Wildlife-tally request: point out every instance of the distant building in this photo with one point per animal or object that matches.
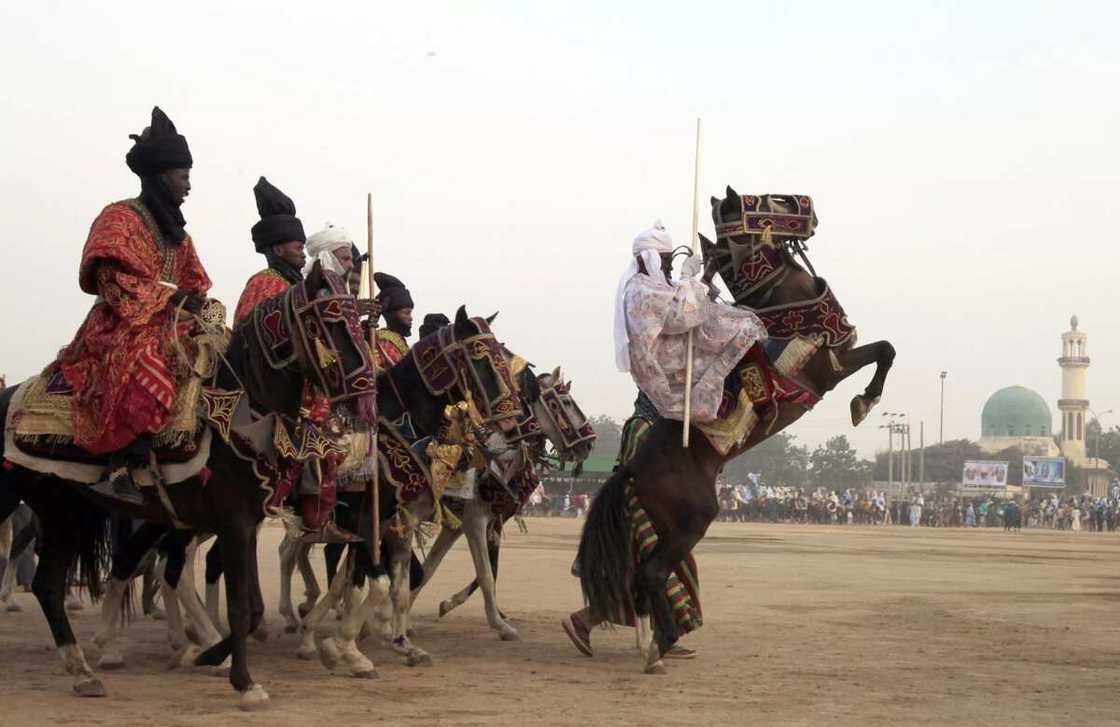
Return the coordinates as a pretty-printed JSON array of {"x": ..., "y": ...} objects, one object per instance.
[{"x": 1017, "y": 417}]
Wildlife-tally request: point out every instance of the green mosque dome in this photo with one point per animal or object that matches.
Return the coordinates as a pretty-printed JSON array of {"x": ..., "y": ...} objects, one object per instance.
[{"x": 1016, "y": 412}]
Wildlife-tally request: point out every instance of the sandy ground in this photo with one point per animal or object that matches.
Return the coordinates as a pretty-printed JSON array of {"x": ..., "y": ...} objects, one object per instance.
[{"x": 804, "y": 625}]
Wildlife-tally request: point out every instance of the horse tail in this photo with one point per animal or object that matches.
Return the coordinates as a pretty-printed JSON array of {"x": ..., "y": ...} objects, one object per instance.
[
  {"x": 93, "y": 557},
  {"x": 605, "y": 560}
]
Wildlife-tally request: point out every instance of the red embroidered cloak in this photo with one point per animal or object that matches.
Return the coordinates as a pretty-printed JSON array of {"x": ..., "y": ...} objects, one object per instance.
[
  {"x": 262, "y": 286},
  {"x": 118, "y": 362}
]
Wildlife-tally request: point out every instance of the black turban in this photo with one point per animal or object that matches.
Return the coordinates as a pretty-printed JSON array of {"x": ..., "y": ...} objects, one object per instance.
[
  {"x": 278, "y": 217},
  {"x": 158, "y": 148},
  {"x": 432, "y": 323},
  {"x": 392, "y": 295}
]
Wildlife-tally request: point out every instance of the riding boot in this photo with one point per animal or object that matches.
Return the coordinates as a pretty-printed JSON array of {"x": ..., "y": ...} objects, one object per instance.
[
  {"x": 119, "y": 484},
  {"x": 317, "y": 511}
]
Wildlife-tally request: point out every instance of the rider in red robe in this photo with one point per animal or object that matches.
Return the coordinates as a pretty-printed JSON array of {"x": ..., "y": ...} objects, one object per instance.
[
  {"x": 396, "y": 307},
  {"x": 280, "y": 238},
  {"x": 141, "y": 264}
]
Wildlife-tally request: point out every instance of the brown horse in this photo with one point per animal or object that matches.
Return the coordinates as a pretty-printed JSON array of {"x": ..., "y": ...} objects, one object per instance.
[{"x": 754, "y": 254}]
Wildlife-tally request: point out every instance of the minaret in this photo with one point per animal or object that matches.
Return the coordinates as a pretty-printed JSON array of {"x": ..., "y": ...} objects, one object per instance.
[{"x": 1074, "y": 403}]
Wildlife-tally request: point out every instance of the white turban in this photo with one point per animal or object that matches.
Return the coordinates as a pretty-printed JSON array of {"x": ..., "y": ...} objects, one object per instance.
[
  {"x": 321, "y": 247},
  {"x": 649, "y": 246}
]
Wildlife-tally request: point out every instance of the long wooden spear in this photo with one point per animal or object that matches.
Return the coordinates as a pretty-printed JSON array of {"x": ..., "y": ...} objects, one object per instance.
[
  {"x": 694, "y": 242},
  {"x": 375, "y": 480}
]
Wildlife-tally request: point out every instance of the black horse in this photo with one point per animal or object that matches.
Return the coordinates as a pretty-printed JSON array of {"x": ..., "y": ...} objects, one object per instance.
[
  {"x": 676, "y": 487},
  {"x": 317, "y": 337}
]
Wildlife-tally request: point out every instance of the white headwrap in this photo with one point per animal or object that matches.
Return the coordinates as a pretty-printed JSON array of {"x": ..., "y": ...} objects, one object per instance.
[
  {"x": 648, "y": 246},
  {"x": 321, "y": 247}
]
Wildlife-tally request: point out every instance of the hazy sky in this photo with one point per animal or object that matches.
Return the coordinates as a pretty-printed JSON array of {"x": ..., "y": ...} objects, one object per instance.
[{"x": 962, "y": 158}]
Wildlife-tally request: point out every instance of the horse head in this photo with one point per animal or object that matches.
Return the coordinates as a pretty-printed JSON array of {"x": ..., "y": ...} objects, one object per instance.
[
  {"x": 561, "y": 419},
  {"x": 308, "y": 333},
  {"x": 755, "y": 238},
  {"x": 462, "y": 361}
]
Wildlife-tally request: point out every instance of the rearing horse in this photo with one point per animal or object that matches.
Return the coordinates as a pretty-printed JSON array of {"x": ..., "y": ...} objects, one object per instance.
[{"x": 757, "y": 238}]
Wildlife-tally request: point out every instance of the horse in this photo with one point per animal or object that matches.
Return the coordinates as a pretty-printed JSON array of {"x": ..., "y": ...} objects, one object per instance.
[
  {"x": 458, "y": 364},
  {"x": 675, "y": 486},
  {"x": 560, "y": 422},
  {"x": 312, "y": 335}
]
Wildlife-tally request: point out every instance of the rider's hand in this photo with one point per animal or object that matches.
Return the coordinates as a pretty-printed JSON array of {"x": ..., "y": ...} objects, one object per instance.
[
  {"x": 368, "y": 307},
  {"x": 189, "y": 301}
]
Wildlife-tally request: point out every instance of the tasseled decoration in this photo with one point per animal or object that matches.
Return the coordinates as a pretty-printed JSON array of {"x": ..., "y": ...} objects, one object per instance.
[
  {"x": 327, "y": 358},
  {"x": 204, "y": 476}
]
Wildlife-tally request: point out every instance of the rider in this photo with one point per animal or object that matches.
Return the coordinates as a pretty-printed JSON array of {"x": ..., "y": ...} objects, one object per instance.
[
  {"x": 396, "y": 308},
  {"x": 141, "y": 264},
  {"x": 432, "y": 323},
  {"x": 279, "y": 237},
  {"x": 653, "y": 318}
]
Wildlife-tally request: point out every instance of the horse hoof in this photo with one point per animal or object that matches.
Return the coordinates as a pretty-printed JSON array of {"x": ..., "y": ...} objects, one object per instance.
[
  {"x": 291, "y": 628},
  {"x": 444, "y": 608},
  {"x": 14, "y": 607},
  {"x": 222, "y": 672},
  {"x": 410, "y": 632},
  {"x": 110, "y": 661},
  {"x": 261, "y": 634},
  {"x": 365, "y": 674},
  {"x": 655, "y": 668},
  {"x": 254, "y": 698},
  {"x": 307, "y": 653},
  {"x": 859, "y": 410},
  {"x": 421, "y": 659},
  {"x": 509, "y": 635},
  {"x": 91, "y": 687},
  {"x": 304, "y": 609},
  {"x": 156, "y": 614}
]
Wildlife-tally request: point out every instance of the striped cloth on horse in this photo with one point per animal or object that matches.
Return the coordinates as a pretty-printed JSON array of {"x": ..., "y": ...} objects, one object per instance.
[{"x": 682, "y": 587}]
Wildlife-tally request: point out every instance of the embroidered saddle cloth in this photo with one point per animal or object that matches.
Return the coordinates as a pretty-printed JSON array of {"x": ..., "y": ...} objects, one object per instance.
[{"x": 764, "y": 380}]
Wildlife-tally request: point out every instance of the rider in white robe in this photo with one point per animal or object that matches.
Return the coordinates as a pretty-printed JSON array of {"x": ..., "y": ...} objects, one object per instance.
[{"x": 653, "y": 317}]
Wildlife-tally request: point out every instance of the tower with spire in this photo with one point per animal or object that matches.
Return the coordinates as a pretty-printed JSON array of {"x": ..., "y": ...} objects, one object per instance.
[{"x": 1074, "y": 403}]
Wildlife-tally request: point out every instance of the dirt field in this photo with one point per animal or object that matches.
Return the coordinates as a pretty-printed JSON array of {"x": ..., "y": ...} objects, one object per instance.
[{"x": 804, "y": 625}]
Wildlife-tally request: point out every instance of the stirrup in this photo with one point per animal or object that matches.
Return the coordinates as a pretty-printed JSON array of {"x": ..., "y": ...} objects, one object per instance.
[
  {"x": 119, "y": 485},
  {"x": 330, "y": 533}
]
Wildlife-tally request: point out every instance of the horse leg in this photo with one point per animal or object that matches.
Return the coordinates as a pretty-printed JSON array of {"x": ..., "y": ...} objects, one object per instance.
[
  {"x": 476, "y": 519},
  {"x": 314, "y": 619},
  {"x": 307, "y": 573},
  {"x": 399, "y": 591},
  {"x": 343, "y": 648},
  {"x": 651, "y": 578},
  {"x": 181, "y": 575},
  {"x": 440, "y": 548},
  {"x": 238, "y": 543},
  {"x": 288, "y": 556},
  {"x": 845, "y": 363},
  {"x": 49, "y": 587},
  {"x": 214, "y": 586},
  {"x": 176, "y": 634}
]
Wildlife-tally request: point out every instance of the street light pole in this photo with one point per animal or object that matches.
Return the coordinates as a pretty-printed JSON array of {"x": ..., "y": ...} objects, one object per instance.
[{"x": 941, "y": 429}]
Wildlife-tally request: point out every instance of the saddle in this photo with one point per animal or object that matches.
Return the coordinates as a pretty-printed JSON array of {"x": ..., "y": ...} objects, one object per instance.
[{"x": 39, "y": 432}]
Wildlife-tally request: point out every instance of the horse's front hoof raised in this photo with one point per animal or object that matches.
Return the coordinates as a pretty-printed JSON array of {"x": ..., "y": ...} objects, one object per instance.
[{"x": 254, "y": 698}]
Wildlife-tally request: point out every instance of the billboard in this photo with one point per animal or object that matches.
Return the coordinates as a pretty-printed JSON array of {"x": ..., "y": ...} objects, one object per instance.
[
  {"x": 984, "y": 474},
  {"x": 1044, "y": 471}
]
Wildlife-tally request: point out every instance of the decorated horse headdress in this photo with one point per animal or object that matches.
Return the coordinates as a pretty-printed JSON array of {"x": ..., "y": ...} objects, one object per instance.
[
  {"x": 316, "y": 323},
  {"x": 466, "y": 357},
  {"x": 754, "y": 235}
]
